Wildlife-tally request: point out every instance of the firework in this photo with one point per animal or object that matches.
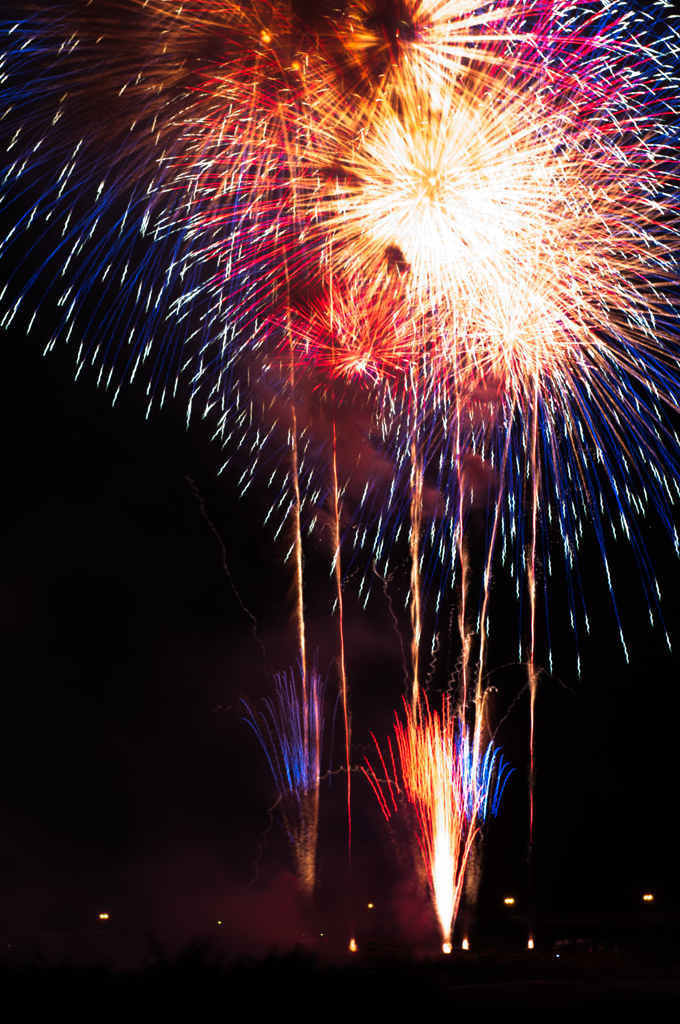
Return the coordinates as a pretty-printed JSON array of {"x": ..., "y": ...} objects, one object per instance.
[
  {"x": 453, "y": 786},
  {"x": 438, "y": 39},
  {"x": 526, "y": 224},
  {"x": 454, "y": 225},
  {"x": 114, "y": 114},
  {"x": 483, "y": 236},
  {"x": 290, "y": 730}
]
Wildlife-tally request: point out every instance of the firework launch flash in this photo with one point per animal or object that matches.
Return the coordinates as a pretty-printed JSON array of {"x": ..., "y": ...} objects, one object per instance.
[{"x": 453, "y": 787}]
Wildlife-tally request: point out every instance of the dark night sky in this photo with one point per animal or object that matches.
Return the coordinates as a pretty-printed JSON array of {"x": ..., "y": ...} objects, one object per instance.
[
  {"x": 123, "y": 787},
  {"x": 127, "y": 787}
]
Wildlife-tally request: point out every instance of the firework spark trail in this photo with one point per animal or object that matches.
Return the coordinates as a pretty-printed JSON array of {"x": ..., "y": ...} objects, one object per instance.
[
  {"x": 297, "y": 543},
  {"x": 453, "y": 788},
  {"x": 462, "y": 560},
  {"x": 337, "y": 569},
  {"x": 416, "y": 584},
  {"x": 290, "y": 730},
  {"x": 486, "y": 579},
  {"x": 531, "y": 573}
]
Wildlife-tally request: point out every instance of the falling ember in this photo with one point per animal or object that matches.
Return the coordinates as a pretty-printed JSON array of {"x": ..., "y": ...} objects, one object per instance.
[{"x": 453, "y": 785}]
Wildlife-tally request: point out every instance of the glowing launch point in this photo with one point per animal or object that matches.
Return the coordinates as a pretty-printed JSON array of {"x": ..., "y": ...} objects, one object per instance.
[
  {"x": 509, "y": 900},
  {"x": 648, "y": 898},
  {"x": 446, "y": 947},
  {"x": 105, "y": 917},
  {"x": 530, "y": 944},
  {"x": 352, "y": 946},
  {"x": 453, "y": 784},
  {"x": 466, "y": 944}
]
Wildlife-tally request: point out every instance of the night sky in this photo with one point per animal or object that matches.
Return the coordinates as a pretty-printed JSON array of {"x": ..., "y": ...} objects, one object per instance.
[{"x": 131, "y": 783}]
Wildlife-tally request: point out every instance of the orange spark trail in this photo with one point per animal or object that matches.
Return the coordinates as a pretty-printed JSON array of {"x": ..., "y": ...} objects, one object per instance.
[
  {"x": 533, "y": 679},
  {"x": 343, "y": 674},
  {"x": 416, "y": 613},
  {"x": 337, "y": 565},
  {"x": 297, "y": 541},
  {"x": 462, "y": 555}
]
